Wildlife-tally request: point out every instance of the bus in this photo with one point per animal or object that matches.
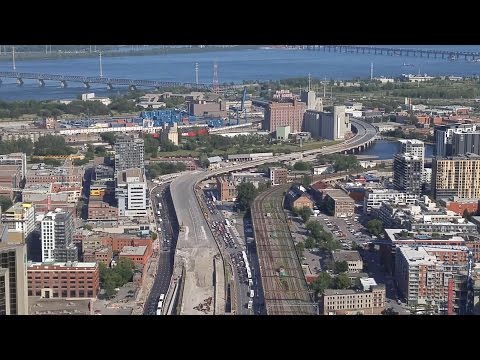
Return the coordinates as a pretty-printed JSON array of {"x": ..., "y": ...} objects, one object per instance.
[{"x": 160, "y": 304}]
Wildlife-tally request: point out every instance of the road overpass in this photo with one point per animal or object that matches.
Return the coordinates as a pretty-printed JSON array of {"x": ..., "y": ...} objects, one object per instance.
[{"x": 196, "y": 248}]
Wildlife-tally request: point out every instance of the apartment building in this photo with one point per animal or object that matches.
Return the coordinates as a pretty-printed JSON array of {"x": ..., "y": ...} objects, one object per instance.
[{"x": 354, "y": 302}]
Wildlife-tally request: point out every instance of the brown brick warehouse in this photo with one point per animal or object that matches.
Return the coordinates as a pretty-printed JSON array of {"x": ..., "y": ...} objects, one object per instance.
[{"x": 284, "y": 285}]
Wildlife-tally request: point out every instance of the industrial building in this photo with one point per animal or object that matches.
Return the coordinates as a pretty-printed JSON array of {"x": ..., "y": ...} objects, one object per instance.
[
  {"x": 327, "y": 125},
  {"x": 203, "y": 108},
  {"x": 354, "y": 302},
  {"x": 338, "y": 202},
  {"x": 284, "y": 114},
  {"x": 169, "y": 133},
  {"x": 63, "y": 279}
]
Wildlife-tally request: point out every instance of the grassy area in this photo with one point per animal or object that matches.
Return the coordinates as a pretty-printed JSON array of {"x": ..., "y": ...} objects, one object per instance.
[{"x": 235, "y": 150}]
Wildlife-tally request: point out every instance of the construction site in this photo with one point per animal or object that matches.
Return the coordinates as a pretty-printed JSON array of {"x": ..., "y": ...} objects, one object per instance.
[{"x": 285, "y": 288}]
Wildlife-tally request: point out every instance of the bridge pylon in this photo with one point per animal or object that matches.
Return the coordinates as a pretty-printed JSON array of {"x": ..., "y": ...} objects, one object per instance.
[
  {"x": 19, "y": 81},
  {"x": 63, "y": 83},
  {"x": 86, "y": 84},
  {"x": 41, "y": 83}
]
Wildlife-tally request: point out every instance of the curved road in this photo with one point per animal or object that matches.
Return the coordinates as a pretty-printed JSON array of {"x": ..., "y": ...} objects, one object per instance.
[{"x": 196, "y": 246}]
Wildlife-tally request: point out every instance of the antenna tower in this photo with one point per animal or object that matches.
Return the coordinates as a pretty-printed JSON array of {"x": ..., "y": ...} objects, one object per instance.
[{"x": 216, "y": 87}]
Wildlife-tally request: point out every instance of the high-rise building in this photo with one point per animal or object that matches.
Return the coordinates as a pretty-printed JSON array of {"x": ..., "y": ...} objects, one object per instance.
[
  {"x": 456, "y": 176},
  {"x": 57, "y": 228},
  {"x": 327, "y": 125},
  {"x": 129, "y": 152},
  {"x": 408, "y": 167},
  {"x": 407, "y": 173},
  {"x": 131, "y": 193},
  {"x": 13, "y": 279},
  {"x": 284, "y": 114},
  {"x": 457, "y": 139},
  {"x": 20, "y": 221}
]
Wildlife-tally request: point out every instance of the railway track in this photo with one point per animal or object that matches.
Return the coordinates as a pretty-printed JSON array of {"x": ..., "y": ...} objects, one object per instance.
[{"x": 285, "y": 288}]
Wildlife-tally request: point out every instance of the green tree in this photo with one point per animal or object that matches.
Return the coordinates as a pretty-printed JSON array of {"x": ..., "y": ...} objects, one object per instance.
[
  {"x": 108, "y": 137},
  {"x": 88, "y": 227},
  {"x": 5, "y": 203},
  {"x": 322, "y": 282},
  {"x": 466, "y": 215},
  {"x": 330, "y": 245},
  {"x": 305, "y": 213},
  {"x": 246, "y": 195},
  {"x": 341, "y": 266},
  {"x": 52, "y": 145},
  {"x": 315, "y": 229},
  {"x": 154, "y": 236},
  {"x": 342, "y": 281},
  {"x": 306, "y": 181},
  {"x": 302, "y": 166},
  {"x": 300, "y": 247},
  {"x": 310, "y": 243},
  {"x": 204, "y": 162},
  {"x": 375, "y": 226}
]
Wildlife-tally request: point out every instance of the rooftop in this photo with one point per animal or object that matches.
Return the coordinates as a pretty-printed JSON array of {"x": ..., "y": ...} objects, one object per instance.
[
  {"x": 133, "y": 250},
  {"x": 58, "y": 306},
  {"x": 346, "y": 255},
  {"x": 337, "y": 194},
  {"x": 417, "y": 256},
  {"x": 69, "y": 264}
]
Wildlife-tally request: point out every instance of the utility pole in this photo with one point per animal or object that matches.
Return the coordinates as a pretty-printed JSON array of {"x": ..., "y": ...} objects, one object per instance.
[
  {"x": 13, "y": 58},
  {"x": 196, "y": 73},
  {"x": 101, "y": 70}
]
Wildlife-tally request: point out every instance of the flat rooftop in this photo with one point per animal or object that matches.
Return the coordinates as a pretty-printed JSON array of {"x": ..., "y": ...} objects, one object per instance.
[
  {"x": 133, "y": 250},
  {"x": 58, "y": 306},
  {"x": 337, "y": 194},
  {"x": 346, "y": 255},
  {"x": 417, "y": 256},
  {"x": 63, "y": 264}
]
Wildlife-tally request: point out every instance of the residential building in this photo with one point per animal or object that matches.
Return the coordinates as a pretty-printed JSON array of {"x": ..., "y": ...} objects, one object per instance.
[
  {"x": 63, "y": 279},
  {"x": 327, "y": 125},
  {"x": 429, "y": 283},
  {"x": 100, "y": 255},
  {"x": 408, "y": 167},
  {"x": 227, "y": 190},
  {"x": 20, "y": 221},
  {"x": 339, "y": 203},
  {"x": 138, "y": 254},
  {"x": 45, "y": 174},
  {"x": 457, "y": 139},
  {"x": 374, "y": 198},
  {"x": 284, "y": 114},
  {"x": 131, "y": 193},
  {"x": 456, "y": 176},
  {"x": 129, "y": 153},
  {"x": 4, "y": 292},
  {"x": 11, "y": 178},
  {"x": 57, "y": 228},
  {"x": 278, "y": 176},
  {"x": 351, "y": 257},
  {"x": 352, "y": 302},
  {"x": 13, "y": 282}
]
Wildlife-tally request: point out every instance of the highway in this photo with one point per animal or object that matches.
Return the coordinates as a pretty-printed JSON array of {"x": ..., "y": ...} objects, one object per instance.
[
  {"x": 165, "y": 260},
  {"x": 196, "y": 245}
]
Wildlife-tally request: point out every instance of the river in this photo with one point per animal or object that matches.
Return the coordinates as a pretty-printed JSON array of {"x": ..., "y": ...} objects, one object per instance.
[
  {"x": 386, "y": 149},
  {"x": 233, "y": 66}
]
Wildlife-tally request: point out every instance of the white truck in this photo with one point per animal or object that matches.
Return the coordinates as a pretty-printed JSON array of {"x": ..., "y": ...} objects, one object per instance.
[
  {"x": 252, "y": 293},
  {"x": 250, "y": 304}
]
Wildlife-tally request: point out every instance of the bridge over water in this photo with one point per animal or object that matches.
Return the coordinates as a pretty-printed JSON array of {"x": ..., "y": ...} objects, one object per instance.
[
  {"x": 108, "y": 81},
  {"x": 413, "y": 52}
]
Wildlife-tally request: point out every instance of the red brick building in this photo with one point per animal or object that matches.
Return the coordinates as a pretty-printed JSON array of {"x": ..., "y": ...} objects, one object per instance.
[
  {"x": 226, "y": 189},
  {"x": 102, "y": 255},
  {"x": 284, "y": 114},
  {"x": 118, "y": 242},
  {"x": 100, "y": 210},
  {"x": 459, "y": 205},
  {"x": 138, "y": 254},
  {"x": 53, "y": 280}
]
